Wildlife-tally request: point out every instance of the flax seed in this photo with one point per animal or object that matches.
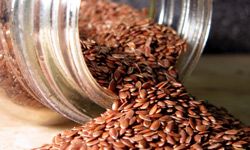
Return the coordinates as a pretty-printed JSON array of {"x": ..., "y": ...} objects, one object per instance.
[
  {"x": 124, "y": 123},
  {"x": 155, "y": 125},
  {"x": 153, "y": 110},
  {"x": 113, "y": 133}
]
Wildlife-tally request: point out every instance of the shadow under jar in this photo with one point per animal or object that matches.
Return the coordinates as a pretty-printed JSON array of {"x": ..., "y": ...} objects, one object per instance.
[{"x": 41, "y": 58}]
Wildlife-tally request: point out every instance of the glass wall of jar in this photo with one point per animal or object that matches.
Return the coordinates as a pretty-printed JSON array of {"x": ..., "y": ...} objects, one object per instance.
[{"x": 41, "y": 58}]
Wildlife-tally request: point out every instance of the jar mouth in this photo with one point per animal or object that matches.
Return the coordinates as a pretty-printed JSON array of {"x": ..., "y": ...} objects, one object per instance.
[
  {"x": 192, "y": 24},
  {"x": 192, "y": 21},
  {"x": 45, "y": 40}
]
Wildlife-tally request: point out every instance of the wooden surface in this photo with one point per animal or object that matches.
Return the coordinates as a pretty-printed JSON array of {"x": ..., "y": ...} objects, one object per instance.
[{"x": 222, "y": 80}]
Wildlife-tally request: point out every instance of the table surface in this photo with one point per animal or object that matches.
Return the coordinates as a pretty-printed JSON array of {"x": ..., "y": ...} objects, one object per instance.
[{"x": 221, "y": 79}]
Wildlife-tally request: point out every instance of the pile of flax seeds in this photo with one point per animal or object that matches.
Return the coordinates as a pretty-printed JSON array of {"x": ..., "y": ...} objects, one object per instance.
[{"x": 135, "y": 58}]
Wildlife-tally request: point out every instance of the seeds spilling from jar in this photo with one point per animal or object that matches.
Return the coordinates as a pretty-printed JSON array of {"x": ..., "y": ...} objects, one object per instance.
[{"x": 135, "y": 58}]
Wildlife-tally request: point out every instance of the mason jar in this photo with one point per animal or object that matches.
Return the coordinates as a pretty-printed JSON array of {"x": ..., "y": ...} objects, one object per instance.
[{"x": 43, "y": 75}]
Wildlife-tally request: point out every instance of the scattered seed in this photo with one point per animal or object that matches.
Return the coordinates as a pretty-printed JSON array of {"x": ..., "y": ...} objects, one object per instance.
[
  {"x": 155, "y": 125},
  {"x": 113, "y": 133},
  {"x": 231, "y": 132},
  {"x": 124, "y": 123},
  {"x": 201, "y": 128}
]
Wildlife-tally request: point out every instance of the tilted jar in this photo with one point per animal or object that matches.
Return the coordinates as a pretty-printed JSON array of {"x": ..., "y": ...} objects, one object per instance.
[{"x": 41, "y": 58}]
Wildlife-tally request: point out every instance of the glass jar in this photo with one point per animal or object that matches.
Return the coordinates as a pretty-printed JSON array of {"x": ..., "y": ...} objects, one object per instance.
[{"x": 41, "y": 58}]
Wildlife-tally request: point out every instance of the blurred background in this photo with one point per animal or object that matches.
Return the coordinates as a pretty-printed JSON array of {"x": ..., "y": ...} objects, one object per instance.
[{"x": 230, "y": 27}]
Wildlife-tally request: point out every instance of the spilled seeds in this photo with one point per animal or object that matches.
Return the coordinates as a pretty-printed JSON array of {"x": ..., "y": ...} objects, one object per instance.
[{"x": 135, "y": 58}]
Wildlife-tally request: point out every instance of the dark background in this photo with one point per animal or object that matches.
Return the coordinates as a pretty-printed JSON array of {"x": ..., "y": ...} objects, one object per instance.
[{"x": 230, "y": 30}]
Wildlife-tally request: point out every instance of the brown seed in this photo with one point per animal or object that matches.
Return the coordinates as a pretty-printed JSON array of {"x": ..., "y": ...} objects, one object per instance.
[
  {"x": 191, "y": 112},
  {"x": 123, "y": 95},
  {"x": 170, "y": 140},
  {"x": 168, "y": 148},
  {"x": 169, "y": 127},
  {"x": 197, "y": 138},
  {"x": 97, "y": 133},
  {"x": 153, "y": 110},
  {"x": 142, "y": 144},
  {"x": 138, "y": 84},
  {"x": 115, "y": 105},
  {"x": 146, "y": 124},
  {"x": 170, "y": 103},
  {"x": 161, "y": 95},
  {"x": 162, "y": 84},
  {"x": 165, "y": 118},
  {"x": 212, "y": 119},
  {"x": 145, "y": 105},
  {"x": 132, "y": 120},
  {"x": 188, "y": 140},
  {"x": 155, "y": 125},
  {"x": 142, "y": 112},
  {"x": 203, "y": 109},
  {"x": 138, "y": 105},
  {"x": 127, "y": 142},
  {"x": 146, "y": 85},
  {"x": 103, "y": 143},
  {"x": 151, "y": 133},
  {"x": 110, "y": 124},
  {"x": 183, "y": 136},
  {"x": 239, "y": 144},
  {"x": 219, "y": 135},
  {"x": 179, "y": 114},
  {"x": 143, "y": 93},
  {"x": 113, "y": 133},
  {"x": 162, "y": 134},
  {"x": 94, "y": 142},
  {"x": 180, "y": 147},
  {"x": 129, "y": 114},
  {"x": 214, "y": 146},
  {"x": 231, "y": 132},
  {"x": 176, "y": 84},
  {"x": 189, "y": 131},
  {"x": 161, "y": 143},
  {"x": 112, "y": 85},
  {"x": 161, "y": 104},
  {"x": 100, "y": 120},
  {"x": 137, "y": 138},
  {"x": 144, "y": 117},
  {"x": 124, "y": 123},
  {"x": 122, "y": 131},
  {"x": 228, "y": 137},
  {"x": 119, "y": 144},
  {"x": 128, "y": 79},
  {"x": 180, "y": 108},
  {"x": 105, "y": 135},
  {"x": 196, "y": 146},
  {"x": 204, "y": 122},
  {"x": 201, "y": 128},
  {"x": 141, "y": 100},
  {"x": 127, "y": 107}
]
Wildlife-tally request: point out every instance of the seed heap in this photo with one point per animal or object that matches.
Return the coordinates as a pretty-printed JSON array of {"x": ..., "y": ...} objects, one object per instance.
[{"x": 135, "y": 59}]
